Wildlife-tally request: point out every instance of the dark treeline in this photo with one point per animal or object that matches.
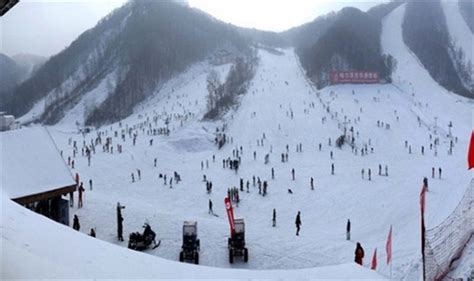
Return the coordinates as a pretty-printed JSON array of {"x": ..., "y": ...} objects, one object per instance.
[
  {"x": 10, "y": 74},
  {"x": 222, "y": 96},
  {"x": 62, "y": 66},
  {"x": 160, "y": 40},
  {"x": 467, "y": 11},
  {"x": 425, "y": 33},
  {"x": 352, "y": 42},
  {"x": 380, "y": 11}
]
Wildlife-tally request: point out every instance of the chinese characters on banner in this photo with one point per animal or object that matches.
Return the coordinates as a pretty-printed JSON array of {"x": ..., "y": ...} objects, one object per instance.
[{"x": 364, "y": 77}]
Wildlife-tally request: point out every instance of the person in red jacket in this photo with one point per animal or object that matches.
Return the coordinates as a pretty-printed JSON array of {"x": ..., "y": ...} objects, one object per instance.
[{"x": 359, "y": 254}]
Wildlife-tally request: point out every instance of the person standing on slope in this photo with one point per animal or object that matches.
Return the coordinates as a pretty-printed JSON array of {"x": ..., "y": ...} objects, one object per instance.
[
  {"x": 210, "y": 208},
  {"x": 274, "y": 219},
  {"x": 119, "y": 221},
  {"x": 81, "y": 191},
  {"x": 359, "y": 254},
  {"x": 75, "y": 224},
  {"x": 348, "y": 230},
  {"x": 298, "y": 223}
]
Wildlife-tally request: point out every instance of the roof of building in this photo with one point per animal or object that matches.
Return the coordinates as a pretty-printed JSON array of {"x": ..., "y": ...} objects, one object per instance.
[{"x": 31, "y": 163}]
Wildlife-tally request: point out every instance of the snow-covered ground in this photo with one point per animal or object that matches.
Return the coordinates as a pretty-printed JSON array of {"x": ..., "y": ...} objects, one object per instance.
[
  {"x": 34, "y": 247},
  {"x": 281, "y": 108},
  {"x": 278, "y": 89}
]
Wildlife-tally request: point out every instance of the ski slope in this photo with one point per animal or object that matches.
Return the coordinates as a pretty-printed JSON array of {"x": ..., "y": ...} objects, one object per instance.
[
  {"x": 280, "y": 109},
  {"x": 34, "y": 247},
  {"x": 279, "y": 88}
]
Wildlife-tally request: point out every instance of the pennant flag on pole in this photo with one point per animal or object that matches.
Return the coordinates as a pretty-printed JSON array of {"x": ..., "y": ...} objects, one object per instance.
[
  {"x": 388, "y": 246},
  {"x": 374, "y": 260},
  {"x": 470, "y": 155}
]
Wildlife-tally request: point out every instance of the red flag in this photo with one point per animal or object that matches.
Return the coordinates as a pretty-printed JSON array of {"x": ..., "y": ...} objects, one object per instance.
[
  {"x": 388, "y": 246},
  {"x": 422, "y": 198},
  {"x": 230, "y": 214},
  {"x": 374, "y": 260},
  {"x": 470, "y": 156}
]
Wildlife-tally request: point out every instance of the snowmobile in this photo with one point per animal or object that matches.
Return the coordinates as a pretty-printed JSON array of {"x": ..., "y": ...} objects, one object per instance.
[
  {"x": 236, "y": 243},
  {"x": 139, "y": 241},
  {"x": 191, "y": 244}
]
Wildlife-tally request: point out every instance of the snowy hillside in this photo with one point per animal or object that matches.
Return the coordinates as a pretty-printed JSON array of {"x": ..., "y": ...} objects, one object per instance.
[
  {"x": 279, "y": 91},
  {"x": 402, "y": 132}
]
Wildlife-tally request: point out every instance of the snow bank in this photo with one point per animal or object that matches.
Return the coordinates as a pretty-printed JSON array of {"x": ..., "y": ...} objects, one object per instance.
[{"x": 36, "y": 247}]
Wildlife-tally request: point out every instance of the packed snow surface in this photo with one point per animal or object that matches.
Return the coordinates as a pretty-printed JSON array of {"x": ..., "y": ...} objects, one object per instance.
[
  {"x": 280, "y": 110},
  {"x": 278, "y": 91},
  {"x": 34, "y": 247}
]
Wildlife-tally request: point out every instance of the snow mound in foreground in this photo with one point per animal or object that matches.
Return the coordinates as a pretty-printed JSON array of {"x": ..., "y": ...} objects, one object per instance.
[{"x": 35, "y": 247}]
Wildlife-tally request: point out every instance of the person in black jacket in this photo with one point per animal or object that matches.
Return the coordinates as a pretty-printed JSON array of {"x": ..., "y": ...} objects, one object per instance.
[
  {"x": 210, "y": 208},
  {"x": 119, "y": 221},
  {"x": 359, "y": 254},
  {"x": 75, "y": 223},
  {"x": 348, "y": 230},
  {"x": 298, "y": 223},
  {"x": 274, "y": 219}
]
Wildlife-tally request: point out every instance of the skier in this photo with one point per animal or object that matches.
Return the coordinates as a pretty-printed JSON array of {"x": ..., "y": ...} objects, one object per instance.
[
  {"x": 362, "y": 173},
  {"x": 332, "y": 169},
  {"x": 75, "y": 224},
  {"x": 432, "y": 172},
  {"x": 119, "y": 221},
  {"x": 422, "y": 150},
  {"x": 139, "y": 174},
  {"x": 359, "y": 254},
  {"x": 348, "y": 230},
  {"x": 273, "y": 174},
  {"x": 92, "y": 233},
  {"x": 439, "y": 170},
  {"x": 386, "y": 170},
  {"x": 133, "y": 177},
  {"x": 293, "y": 173},
  {"x": 370, "y": 173},
  {"x": 312, "y": 183},
  {"x": 90, "y": 184},
  {"x": 210, "y": 208},
  {"x": 81, "y": 190},
  {"x": 274, "y": 218},
  {"x": 154, "y": 162},
  {"x": 298, "y": 223},
  {"x": 380, "y": 170},
  {"x": 425, "y": 183}
]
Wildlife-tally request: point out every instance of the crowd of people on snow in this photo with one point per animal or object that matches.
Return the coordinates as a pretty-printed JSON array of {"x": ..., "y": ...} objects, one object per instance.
[{"x": 152, "y": 127}]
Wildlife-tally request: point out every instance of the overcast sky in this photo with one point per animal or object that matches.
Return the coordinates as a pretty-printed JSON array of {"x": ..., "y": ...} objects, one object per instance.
[{"x": 47, "y": 27}]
